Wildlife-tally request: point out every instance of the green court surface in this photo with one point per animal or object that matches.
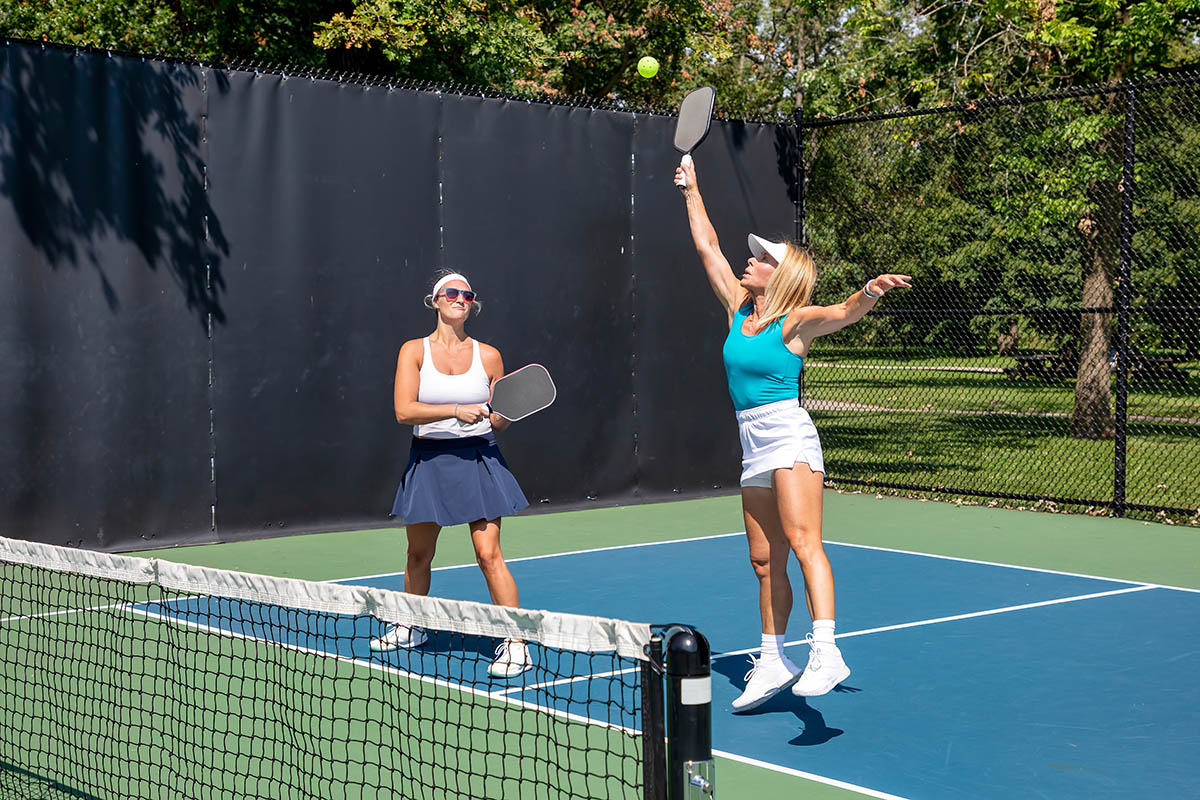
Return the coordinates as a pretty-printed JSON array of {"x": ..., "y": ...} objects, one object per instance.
[{"x": 1095, "y": 546}]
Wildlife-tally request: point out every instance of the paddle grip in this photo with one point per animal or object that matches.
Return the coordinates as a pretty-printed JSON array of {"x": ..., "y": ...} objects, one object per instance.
[{"x": 682, "y": 180}]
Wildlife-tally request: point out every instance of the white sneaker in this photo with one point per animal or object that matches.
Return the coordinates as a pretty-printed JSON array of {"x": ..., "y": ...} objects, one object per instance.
[
  {"x": 512, "y": 658},
  {"x": 399, "y": 636},
  {"x": 765, "y": 680},
  {"x": 825, "y": 670}
]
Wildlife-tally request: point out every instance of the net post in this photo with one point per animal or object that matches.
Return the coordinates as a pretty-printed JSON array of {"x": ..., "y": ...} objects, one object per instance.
[
  {"x": 690, "y": 769},
  {"x": 654, "y": 731}
]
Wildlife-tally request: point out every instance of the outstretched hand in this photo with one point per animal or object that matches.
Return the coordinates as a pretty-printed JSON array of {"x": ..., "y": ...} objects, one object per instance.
[{"x": 885, "y": 283}]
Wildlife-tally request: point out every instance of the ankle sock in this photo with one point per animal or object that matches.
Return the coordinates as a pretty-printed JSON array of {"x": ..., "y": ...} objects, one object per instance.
[{"x": 772, "y": 647}]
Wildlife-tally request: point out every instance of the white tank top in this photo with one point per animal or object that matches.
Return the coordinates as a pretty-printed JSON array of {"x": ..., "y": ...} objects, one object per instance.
[{"x": 438, "y": 388}]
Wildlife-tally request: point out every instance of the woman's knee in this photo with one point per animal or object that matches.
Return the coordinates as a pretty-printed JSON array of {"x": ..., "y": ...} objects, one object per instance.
[
  {"x": 806, "y": 544},
  {"x": 489, "y": 556},
  {"x": 769, "y": 560},
  {"x": 420, "y": 557},
  {"x": 761, "y": 564}
]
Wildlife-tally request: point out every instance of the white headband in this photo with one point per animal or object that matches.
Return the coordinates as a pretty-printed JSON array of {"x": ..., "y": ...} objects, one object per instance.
[{"x": 453, "y": 276}]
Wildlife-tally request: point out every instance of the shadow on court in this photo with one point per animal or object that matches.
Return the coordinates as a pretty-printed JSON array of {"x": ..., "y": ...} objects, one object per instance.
[
  {"x": 814, "y": 730},
  {"x": 17, "y": 782}
]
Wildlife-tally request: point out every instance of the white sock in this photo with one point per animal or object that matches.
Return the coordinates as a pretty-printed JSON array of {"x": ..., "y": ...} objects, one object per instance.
[
  {"x": 772, "y": 647},
  {"x": 823, "y": 631}
]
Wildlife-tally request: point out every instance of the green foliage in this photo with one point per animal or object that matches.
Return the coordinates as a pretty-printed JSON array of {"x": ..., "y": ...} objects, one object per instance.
[
  {"x": 566, "y": 47},
  {"x": 761, "y": 55},
  {"x": 139, "y": 26},
  {"x": 464, "y": 41},
  {"x": 276, "y": 31}
]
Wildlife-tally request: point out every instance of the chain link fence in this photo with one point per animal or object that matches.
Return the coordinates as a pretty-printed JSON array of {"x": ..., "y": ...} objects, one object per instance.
[{"x": 1048, "y": 354}]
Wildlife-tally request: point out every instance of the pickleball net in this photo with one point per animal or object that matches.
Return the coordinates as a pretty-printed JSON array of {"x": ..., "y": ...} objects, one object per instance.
[{"x": 124, "y": 677}]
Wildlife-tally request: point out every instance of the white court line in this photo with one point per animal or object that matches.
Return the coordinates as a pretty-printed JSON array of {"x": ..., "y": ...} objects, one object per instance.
[
  {"x": 551, "y": 555},
  {"x": 971, "y": 615},
  {"x": 827, "y": 541},
  {"x": 1137, "y": 587},
  {"x": 562, "y": 681},
  {"x": 808, "y": 776},
  {"x": 1011, "y": 566},
  {"x": 46, "y": 614},
  {"x": 899, "y": 626}
]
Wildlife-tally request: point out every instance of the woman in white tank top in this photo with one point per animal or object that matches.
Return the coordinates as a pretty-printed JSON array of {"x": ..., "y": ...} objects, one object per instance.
[{"x": 455, "y": 474}]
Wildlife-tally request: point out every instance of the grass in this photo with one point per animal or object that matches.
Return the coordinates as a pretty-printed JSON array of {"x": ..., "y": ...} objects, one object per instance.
[
  {"x": 911, "y": 384},
  {"x": 984, "y": 431}
]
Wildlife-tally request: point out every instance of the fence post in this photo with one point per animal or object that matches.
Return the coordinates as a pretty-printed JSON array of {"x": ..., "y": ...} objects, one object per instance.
[
  {"x": 1124, "y": 294},
  {"x": 801, "y": 209},
  {"x": 801, "y": 175}
]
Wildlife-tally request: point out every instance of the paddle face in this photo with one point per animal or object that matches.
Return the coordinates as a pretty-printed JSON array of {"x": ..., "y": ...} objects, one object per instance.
[
  {"x": 695, "y": 115},
  {"x": 523, "y": 392}
]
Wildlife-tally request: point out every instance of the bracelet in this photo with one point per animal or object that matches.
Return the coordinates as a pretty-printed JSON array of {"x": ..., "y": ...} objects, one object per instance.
[
  {"x": 456, "y": 410},
  {"x": 867, "y": 291}
]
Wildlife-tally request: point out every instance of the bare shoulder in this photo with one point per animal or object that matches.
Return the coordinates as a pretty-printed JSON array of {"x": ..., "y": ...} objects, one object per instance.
[
  {"x": 492, "y": 361},
  {"x": 800, "y": 318},
  {"x": 412, "y": 351}
]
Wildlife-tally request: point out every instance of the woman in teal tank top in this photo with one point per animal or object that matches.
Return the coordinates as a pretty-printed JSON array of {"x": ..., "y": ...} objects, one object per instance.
[{"x": 771, "y": 327}]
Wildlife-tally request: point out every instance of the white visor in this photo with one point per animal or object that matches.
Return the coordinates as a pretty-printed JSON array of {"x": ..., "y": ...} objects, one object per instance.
[{"x": 759, "y": 245}]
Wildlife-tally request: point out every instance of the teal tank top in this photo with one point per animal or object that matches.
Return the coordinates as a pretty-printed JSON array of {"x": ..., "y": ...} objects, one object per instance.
[{"x": 760, "y": 368}]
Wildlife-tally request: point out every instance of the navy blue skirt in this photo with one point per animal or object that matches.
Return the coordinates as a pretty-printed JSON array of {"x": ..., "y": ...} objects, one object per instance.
[{"x": 456, "y": 481}]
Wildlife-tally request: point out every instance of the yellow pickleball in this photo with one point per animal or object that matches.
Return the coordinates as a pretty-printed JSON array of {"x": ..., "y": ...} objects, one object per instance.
[{"x": 648, "y": 66}]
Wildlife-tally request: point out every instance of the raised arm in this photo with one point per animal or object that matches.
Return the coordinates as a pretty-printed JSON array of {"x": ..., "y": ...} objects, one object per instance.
[
  {"x": 410, "y": 411},
  {"x": 720, "y": 276},
  {"x": 810, "y": 322}
]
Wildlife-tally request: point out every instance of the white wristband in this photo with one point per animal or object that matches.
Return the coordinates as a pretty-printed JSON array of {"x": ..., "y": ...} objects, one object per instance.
[{"x": 867, "y": 291}]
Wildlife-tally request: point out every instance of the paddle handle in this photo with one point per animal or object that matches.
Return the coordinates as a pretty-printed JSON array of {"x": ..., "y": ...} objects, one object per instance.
[{"x": 681, "y": 181}]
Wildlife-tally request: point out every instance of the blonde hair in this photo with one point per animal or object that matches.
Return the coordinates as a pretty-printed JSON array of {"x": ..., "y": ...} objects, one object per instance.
[{"x": 790, "y": 287}]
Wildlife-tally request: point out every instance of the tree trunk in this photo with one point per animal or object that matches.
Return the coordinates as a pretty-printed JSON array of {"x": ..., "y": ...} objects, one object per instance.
[{"x": 1092, "y": 417}]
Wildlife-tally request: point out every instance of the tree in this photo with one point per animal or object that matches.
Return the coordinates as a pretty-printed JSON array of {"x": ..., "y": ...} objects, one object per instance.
[
  {"x": 560, "y": 48},
  {"x": 275, "y": 31},
  {"x": 1076, "y": 44},
  {"x": 855, "y": 58}
]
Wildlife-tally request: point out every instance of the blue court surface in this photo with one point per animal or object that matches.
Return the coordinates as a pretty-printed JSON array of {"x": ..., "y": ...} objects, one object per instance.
[{"x": 969, "y": 680}]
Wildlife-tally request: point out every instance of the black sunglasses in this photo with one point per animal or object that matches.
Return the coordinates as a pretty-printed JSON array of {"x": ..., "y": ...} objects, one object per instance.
[{"x": 452, "y": 294}]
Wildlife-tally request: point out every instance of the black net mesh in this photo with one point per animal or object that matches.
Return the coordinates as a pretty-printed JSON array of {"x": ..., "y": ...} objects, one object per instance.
[
  {"x": 119, "y": 689},
  {"x": 1048, "y": 351}
]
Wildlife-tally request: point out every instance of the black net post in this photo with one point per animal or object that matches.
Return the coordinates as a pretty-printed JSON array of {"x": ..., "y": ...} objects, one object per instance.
[
  {"x": 690, "y": 771},
  {"x": 654, "y": 732},
  {"x": 1121, "y": 410}
]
